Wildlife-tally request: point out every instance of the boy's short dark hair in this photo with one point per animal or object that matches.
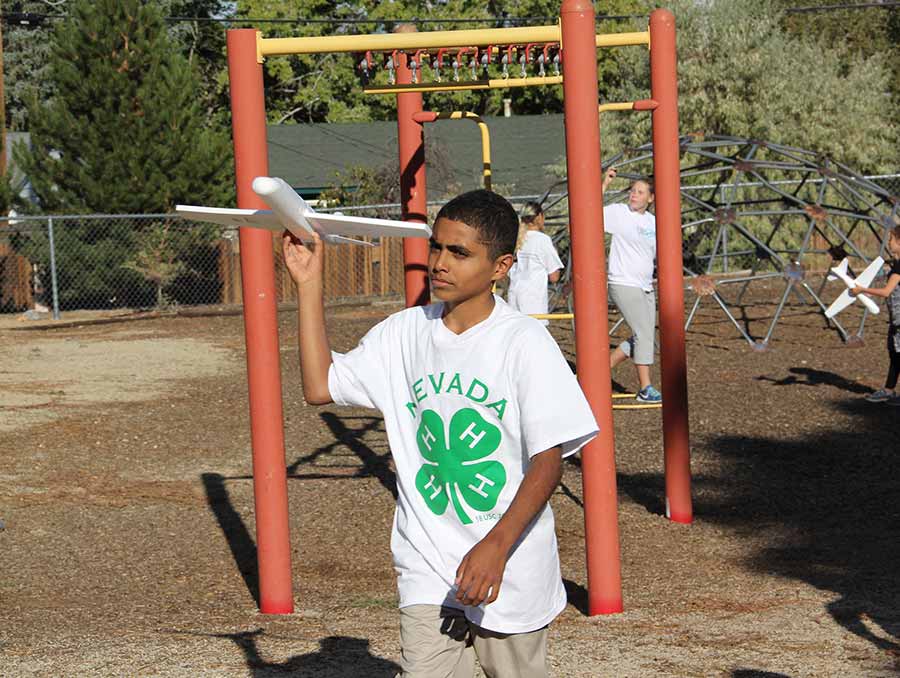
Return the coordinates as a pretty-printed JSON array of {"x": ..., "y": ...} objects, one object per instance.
[{"x": 488, "y": 213}]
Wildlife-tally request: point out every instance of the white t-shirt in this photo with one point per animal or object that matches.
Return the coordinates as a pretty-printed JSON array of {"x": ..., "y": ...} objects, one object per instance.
[
  {"x": 535, "y": 260},
  {"x": 464, "y": 414},
  {"x": 633, "y": 246}
]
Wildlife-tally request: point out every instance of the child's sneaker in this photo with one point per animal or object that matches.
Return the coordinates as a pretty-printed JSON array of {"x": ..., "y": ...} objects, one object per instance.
[
  {"x": 648, "y": 394},
  {"x": 882, "y": 395}
]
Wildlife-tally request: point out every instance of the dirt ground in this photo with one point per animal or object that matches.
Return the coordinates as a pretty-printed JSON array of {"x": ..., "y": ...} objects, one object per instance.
[{"x": 128, "y": 548}]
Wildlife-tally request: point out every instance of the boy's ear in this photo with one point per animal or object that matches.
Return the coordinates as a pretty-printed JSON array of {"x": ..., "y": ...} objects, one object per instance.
[{"x": 502, "y": 264}]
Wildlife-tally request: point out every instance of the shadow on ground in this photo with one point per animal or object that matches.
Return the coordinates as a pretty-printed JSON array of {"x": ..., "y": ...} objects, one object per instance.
[
  {"x": 351, "y": 431},
  {"x": 829, "y": 503},
  {"x": 337, "y": 657},
  {"x": 373, "y": 464},
  {"x": 807, "y": 376},
  {"x": 243, "y": 548}
]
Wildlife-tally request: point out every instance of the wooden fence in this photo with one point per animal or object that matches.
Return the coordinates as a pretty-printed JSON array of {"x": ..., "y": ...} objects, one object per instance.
[
  {"x": 351, "y": 271},
  {"x": 15, "y": 280}
]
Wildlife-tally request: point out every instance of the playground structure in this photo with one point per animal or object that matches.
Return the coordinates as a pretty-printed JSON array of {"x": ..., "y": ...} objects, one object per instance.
[
  {"x": 572, "y": 47},
  {"x": 757, "y": 211}
]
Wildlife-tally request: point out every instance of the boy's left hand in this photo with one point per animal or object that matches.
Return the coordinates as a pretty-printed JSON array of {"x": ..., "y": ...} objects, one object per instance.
[{"x": 479, "y": 574}]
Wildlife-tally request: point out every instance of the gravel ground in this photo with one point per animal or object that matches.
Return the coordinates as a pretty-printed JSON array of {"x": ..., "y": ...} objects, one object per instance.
[{"x": 128, "y": 543}]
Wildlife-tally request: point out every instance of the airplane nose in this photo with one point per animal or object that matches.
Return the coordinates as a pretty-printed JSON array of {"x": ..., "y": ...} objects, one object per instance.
[{"x": 264, "y": 186}]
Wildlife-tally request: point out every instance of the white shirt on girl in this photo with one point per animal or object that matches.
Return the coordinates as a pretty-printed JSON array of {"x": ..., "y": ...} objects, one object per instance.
[
  {"x": 464, "y": 413},
  {"x": 535, "y": 260},
  {"x": 633, "y": 247}
]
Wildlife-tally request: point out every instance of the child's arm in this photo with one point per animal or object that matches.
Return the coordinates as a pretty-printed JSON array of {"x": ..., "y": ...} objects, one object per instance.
[
  {"x": 554, "y": 277},
  {"x": 480, "y": 573},
  {"x": 305, "y": 265},
  {"x": 884, "y": 292}
]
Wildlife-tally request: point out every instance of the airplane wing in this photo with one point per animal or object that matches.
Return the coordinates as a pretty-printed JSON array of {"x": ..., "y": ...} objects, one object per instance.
[
  {"x": 231, "y": 217},
  {"x": 866, "y": 277},
  {"x": 290, "y": 211},
  {"x": 361, "y": 227},
  {"x": 334, "y": 225},
  {"x": 839, "y": 304}
]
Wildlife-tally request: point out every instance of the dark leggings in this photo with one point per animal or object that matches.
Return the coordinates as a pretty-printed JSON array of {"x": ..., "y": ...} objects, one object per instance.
[{"x": 894, "y": 355}]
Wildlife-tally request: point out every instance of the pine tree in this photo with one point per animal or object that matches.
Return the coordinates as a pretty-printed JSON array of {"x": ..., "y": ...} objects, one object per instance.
[
  {"x": 125, "y": 133},
  {"x": 26, "y": 33}
]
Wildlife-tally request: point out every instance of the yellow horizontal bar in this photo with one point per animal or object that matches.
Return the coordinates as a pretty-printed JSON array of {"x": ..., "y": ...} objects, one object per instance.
[
  {"x": 623, "y": 395},
  {"x": 623, "y": 39},
  {"x": 645, "y": 406},
  {"x": 619, "y": 106},
  {"x": 495, "y": 83},
  {"x": 552, "y": 316},
  {"x": 387, "y": 42}
]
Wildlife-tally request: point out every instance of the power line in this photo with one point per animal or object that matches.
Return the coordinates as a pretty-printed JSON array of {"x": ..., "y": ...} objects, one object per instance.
[
  {"x": 36, "y": 18},
  {"x": 27, "y": 18}
]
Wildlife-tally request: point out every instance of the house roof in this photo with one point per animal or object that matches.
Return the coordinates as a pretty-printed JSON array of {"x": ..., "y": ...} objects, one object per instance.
[{"x": 310, "y": 156}]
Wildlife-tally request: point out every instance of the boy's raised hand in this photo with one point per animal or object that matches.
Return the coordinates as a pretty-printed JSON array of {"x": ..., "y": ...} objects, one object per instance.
[{"x": 304, "y": 262}]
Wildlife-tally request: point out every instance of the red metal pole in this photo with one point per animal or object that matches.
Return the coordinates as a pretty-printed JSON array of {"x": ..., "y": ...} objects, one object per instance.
[
  {"x": 248, "y": 121},
  {"x": 666, "y": 170},
  {"x": 413, "y": 196},
  {"x": 591, "y": 325}
]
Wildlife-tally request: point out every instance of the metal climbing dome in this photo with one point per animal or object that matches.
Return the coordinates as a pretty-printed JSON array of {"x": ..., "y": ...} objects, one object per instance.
[{"x": 757, "y": 214}]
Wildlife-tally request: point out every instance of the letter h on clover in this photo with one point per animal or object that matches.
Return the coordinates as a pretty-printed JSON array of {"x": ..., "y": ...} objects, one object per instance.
[{"x": 454, "y": 472}]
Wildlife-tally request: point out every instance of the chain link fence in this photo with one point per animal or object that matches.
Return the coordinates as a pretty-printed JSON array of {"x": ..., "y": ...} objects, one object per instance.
[
  {"x": 55, "y": 264},
  {"x": 67, "y": 263}
]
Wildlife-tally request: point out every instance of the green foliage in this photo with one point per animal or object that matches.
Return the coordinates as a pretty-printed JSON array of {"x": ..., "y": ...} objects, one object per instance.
[
  {"x": 872, "y": 31},
  {"x": 26, "y": 50},
  {"x": 26, "y": 54},
  {"x": 156, "y": 259},
  {"x": 89, "y": 263},
  {"x": 362, "y": 185},
  {"x": 327, "y": 88},
  {"x": 125, "y": 133},
  {"x": 203, "y": 43},
  {"x": 741, "y": 74}
]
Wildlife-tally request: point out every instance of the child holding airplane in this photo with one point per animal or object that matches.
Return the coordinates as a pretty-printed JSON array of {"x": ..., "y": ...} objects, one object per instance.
[
  {"x": 891, "y": 292},
  {"x": 480, "y": 407}
]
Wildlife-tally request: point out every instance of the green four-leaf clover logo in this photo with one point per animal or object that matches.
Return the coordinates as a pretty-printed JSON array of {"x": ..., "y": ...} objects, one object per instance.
[{"x": 452, "y": 471}]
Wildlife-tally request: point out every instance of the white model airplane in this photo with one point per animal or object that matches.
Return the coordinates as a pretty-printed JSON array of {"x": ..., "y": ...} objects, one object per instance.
[
  {"x": 290, "y": 211},
  {"x": 864, "y": 279}
]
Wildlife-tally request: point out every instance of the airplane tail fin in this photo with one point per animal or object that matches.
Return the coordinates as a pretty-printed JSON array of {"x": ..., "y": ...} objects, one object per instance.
[{"x": 840, "y": 269}]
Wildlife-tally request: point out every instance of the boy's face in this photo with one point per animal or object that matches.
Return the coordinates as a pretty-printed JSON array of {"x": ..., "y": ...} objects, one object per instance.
[{"x": 459, "y": 264}]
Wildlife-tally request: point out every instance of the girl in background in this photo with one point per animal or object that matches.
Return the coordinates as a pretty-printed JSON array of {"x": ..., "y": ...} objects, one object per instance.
[
  {"x": 630, "y": 270},
  {"x": 537, "y": 264}
]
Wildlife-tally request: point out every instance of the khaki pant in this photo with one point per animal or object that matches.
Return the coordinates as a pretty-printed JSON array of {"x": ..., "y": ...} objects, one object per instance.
[{"x": 439, "y": 642}]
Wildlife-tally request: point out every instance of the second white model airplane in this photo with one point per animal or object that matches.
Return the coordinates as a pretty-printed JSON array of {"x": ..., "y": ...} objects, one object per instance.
[
  {"x": 864, "y": 279},
  {"x": 290, "y": 211}
]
